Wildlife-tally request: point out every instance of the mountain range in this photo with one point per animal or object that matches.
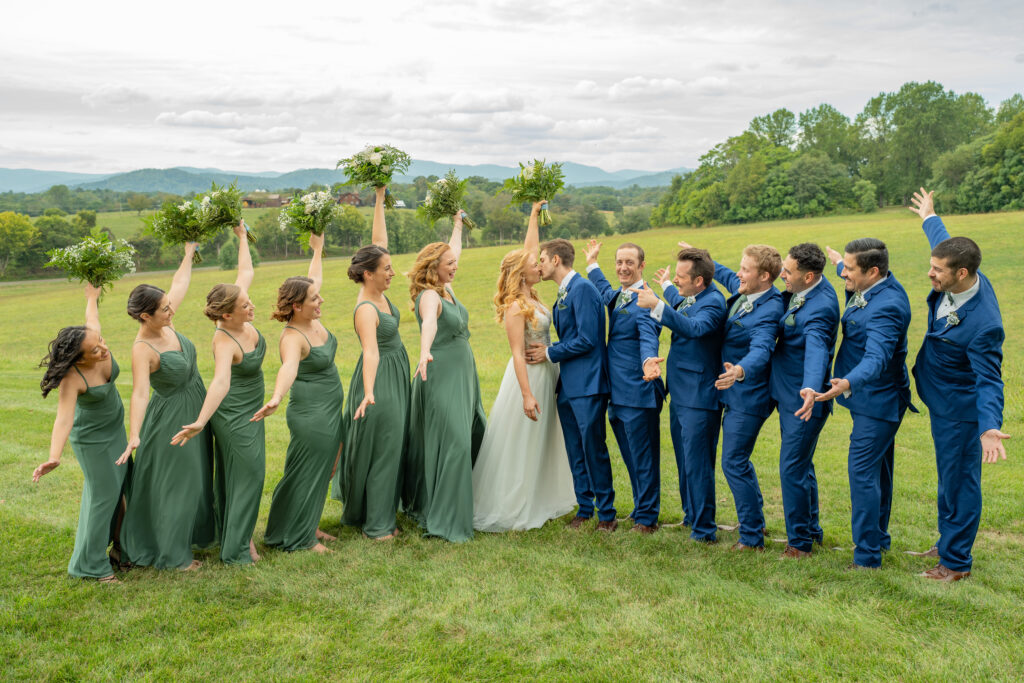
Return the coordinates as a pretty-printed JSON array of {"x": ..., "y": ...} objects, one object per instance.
[{"x": 187, "y": 179}]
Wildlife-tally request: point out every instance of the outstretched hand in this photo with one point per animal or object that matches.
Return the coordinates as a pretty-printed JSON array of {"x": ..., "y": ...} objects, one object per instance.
[
  {"x": 267, "y": 410},
  {"x": 645, "y": 296},
  {"x": 807, "y": 409},
  {"x": 239, "y": 229},
  {"x": 992, "y": 446},
  {"x": 421, "y": 367},
  {"x": 923, "y": 204},
  {"x": 682, "y": 244},
  {"x": 591, "y": 251},
  {"x": 732, "y": 374},
  {"x": 187, "y": 432},
  {"x": 834, "y": 256},
  {"x": 652, "y": 369},
  {"x": 839, "y": 386},
  {"x": 661, "y": 275},
  {"x": 51, "y": 465},
  {"x": 132, "y": 445},
  {"x": 368, "y": 400}
]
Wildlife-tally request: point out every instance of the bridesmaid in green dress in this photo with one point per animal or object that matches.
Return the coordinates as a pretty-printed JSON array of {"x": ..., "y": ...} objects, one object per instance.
[
  {"x": 446, "y": 417},
  {"x": 314, "y": 412},
  {"x": 169, "y": 500},
  {"x": 89, "y": 411},
  {"x": 235, "y": 393},
  {"x": 378, "y": 396}
]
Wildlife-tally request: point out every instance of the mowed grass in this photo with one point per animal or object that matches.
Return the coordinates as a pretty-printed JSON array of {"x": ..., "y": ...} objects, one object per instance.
[{"x": 549, "y": 603}]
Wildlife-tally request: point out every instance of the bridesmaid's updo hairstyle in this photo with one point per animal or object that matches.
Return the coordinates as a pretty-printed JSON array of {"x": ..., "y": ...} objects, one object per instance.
[
  {"x": 423, "y": 274},
  {"x": 221, "y": 300},
  {"x": 366, "y": 260},
  {"x": 64, "y": 352},
  {"x": 293, "y": 291},
  {"x": 144, "y": 299}
]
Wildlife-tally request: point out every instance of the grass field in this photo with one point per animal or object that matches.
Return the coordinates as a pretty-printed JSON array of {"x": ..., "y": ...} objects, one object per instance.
[{"x": 548, "y": 603}]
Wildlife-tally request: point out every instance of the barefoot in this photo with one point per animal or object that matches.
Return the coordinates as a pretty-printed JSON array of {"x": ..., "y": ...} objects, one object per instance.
[
  {"x": 255, "y": 556},
  {"x": 325, "y": 536},
  {"x": 196, "y": 564},
  {"x": 109, "y": 579},
  {"x": 321, "y": 548},
  {"x": 390, "y": 537}
]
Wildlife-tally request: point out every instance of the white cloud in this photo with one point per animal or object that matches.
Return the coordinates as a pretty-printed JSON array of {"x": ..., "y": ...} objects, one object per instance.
[
  {"x": 117, "y": 96},
  {"x": 257, "y": 136},
  {"x": 585, "y": 129},
  {"x": 708, "y": 85},
  {"x": 485, "y": 102},
  {"x": 227, "y": 119},
  {"x": 588, "y": 90},
  {"x": 642, "y": 87}
]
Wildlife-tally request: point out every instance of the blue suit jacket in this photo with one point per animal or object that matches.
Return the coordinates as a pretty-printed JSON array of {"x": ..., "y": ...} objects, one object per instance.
[
  {"x": 749, "y": 341},
  {"x": 874, "y": 352},
  {"x": 632, "y": 337},
  {"x": 804, "y": 349},
  {"x": 695, "y": 358},
  {"x": 958, "y": 369},
  {"x": 579, "y": 351}
]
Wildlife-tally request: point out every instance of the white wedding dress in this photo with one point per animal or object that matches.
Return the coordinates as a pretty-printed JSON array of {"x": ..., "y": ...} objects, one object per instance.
[{"x": 522, "y": 478}]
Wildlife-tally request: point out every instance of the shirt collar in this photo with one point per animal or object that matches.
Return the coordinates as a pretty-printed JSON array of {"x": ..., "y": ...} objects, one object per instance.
[
  {"x": 803, "y": 294},
  {"x": 565, "y": 280},
  {"x": 751, "y": 298},
  {"x": 966, "y": 295},
  {"x": 635, "y": 285},
  {"x": 875, "y": 285}
]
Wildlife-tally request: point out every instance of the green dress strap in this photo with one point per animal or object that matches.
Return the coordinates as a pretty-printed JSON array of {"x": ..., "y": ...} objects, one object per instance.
[
  {"x": 219, "y": 329},
  {"x": 148, "y": 344},
  {"x": 81, "y": 375},
  {"x": 289, "y": 327}
]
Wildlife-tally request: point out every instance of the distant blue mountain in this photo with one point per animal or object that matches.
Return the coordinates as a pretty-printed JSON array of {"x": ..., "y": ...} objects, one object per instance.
[{"x": 187, "y": 179}]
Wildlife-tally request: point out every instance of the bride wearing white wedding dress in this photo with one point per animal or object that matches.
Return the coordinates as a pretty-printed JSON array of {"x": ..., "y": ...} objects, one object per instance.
[{"x": 521, "y": 478}]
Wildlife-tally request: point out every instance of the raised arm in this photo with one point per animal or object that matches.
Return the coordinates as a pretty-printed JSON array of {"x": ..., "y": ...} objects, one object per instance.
[
  {"x": 292, "y": 346},
  {"x": 515, "y": 330},
  {"x": 430, "y": 304},
  {"x": 316, "y": 263},
  {"x": 727, "y": 278},
  {"x": 367, "y": 321},
  {"x": 142, "y": 366},
  {"x": 182, "y": 277},
  {"x": 379, "y": 234},
  {"x": 92, "y": 307},
  {"x": 923, "y": 204},
  {"x": 532, "y": 241},
  {"x": 245, "y": 270},
  {"x": 223, "y": 357},
  {"x": 455, "y": 242},
  {"x": 62, "y": 424}
]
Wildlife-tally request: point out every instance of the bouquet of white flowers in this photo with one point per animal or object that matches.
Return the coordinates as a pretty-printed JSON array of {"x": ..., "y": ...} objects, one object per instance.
[
  {"x": 311, "y": 212},
  {"x": 536, "y": 182},
  {"x": 374, "y": 166},
  {"x": 444, "y": 200},
  {"x": 221, "y": 208},
  {"x": 96, "y": 260},
  {"x": 199, "y": 219}
]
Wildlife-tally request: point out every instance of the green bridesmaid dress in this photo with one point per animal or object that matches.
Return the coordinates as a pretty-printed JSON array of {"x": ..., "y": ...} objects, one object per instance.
[
  {"x": 446, "y": 426},
  {"x": 314, "y": 421},
  {"x": 170, "y": 498},
  {"x": 98, "y": 440},
  {"x": 367, "y": 481},
  {"x": 239, "y": 452}
]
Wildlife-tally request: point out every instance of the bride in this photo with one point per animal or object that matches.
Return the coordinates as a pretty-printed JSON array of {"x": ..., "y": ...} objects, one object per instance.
[{"x": 521, "y": 478}]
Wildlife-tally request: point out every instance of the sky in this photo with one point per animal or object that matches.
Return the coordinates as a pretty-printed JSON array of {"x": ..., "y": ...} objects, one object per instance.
[{"x": 647, "y": 84}]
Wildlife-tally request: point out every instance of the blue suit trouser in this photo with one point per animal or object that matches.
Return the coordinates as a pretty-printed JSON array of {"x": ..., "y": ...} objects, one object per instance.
[
  {"x": 870, "y": 467},
  {"x": 796, "y": 475},
  {"x": 739, "y": 434},
  {"x": 638, "y": 433},
  {"x": 583, "y": 427},
  {"x": 958, "y": 458},
  {"x": 695, "y": 441}
]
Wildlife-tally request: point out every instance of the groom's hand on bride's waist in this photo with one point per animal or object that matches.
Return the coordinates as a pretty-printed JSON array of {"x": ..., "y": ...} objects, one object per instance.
[{"x": 536, "y": 353}]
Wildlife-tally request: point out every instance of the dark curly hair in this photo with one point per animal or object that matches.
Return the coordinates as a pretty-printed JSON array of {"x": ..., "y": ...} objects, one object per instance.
[
  {"x": 293, "y": 291},
  {"x": 65, "y": 350}
]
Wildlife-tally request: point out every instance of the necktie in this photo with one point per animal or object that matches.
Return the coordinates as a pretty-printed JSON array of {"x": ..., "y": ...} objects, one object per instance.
[{"x": 737, "y": 304}]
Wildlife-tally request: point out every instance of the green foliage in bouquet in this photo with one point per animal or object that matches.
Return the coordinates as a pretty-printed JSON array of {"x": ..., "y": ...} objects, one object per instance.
[
  {"x": 536, "y": 182},
  {"x": 309, "y": 213},
  {"x": 96, "y": 260},
  {"x": 221, "y": 208},
  {"x": 374, "y": 166},
  {"x": 200, "y": 219},
  {"x": 444, "y": 200}
]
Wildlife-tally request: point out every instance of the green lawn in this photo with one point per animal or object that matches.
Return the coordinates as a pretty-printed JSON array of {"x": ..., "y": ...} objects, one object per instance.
[{"x": 549, "y": 603}]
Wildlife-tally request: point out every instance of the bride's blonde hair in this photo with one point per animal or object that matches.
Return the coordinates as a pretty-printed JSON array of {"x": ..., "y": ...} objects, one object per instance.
[{"x": 512, "y": 285}]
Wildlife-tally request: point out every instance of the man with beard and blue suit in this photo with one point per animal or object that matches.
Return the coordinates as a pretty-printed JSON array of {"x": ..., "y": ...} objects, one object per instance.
[
  {"x": 871, "y": 381},
  {"x": 754, "y": 309},
  {"x": 637, "y": 392},
  {"x": 695, "y": 314},
  {"x": 801, "y": 367},
  {"x": 583, "y": 385},
  {"x": 959, "y": 377}
]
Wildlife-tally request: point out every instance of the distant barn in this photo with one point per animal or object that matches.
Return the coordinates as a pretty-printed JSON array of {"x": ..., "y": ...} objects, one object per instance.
[
  {"x": 350, "y": 198},
  {"x": 265, "y": 200}
]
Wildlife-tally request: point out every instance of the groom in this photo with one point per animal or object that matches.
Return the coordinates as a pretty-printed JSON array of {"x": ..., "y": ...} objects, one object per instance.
[{"x": 583, "y": 385}]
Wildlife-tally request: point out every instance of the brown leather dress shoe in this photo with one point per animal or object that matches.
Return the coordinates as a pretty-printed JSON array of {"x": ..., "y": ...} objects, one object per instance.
[
  {"x": 853, "y": 566},
  {"x": 941, "y": 572},
  {"x": 577, "y": 521},
  {"x": 790, "y": 551},
  {"x": 644, "y": 529},
  {"x": 609, "y": 526},
  {"x": 741, "y": 546},
  {"x": 931, "y": 552}
]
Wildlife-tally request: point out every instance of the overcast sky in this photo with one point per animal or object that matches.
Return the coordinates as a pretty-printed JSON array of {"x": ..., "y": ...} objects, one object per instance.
[{"x": 114, "y": 86}]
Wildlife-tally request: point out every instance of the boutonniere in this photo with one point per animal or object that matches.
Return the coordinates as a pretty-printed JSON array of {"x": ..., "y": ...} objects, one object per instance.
[
  {"x": 686, "y": 303},
  {"x": 952, "y": 319},
  {"x": 796, "y": 302},
  {"x": 625, "y": 296},
  {"x": 747, "y": 307},
  {"x": 858, "y": 300},
  {"x": 561, "y": 295}
]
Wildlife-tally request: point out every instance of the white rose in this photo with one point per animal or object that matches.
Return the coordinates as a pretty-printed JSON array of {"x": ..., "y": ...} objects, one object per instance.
[{"x": 376, "y": 158}]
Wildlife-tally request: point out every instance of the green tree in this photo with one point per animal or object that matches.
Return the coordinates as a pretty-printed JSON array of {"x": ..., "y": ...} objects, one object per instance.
[
  {"x": 634, "y": 220},
  {"x": 227, "y": 257},
  {"x": 17, "y": 234},
  {"x": 349, "y": 228},
  {"x": 138, "y": 202},
  {"x": 1009, "y": 108},
  {"x": 777, "y": 128},
  {"x": 866, "y": 194}
]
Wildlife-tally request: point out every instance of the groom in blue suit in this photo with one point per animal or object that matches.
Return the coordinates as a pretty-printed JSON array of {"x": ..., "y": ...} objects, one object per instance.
[
  {"x": 958, "y": 375},
  {"x": 871, "y": 381},
  {"x": 801, "y": 367},
  {"x": 751, "y": 324},
  {"x": 583, "y": 385},
  {"x": 637, "y": 392},
  {"x": 695, "y": 312}
]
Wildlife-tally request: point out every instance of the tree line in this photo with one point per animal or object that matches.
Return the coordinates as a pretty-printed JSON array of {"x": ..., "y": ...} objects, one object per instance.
[{"x": 820, "y": 162}]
